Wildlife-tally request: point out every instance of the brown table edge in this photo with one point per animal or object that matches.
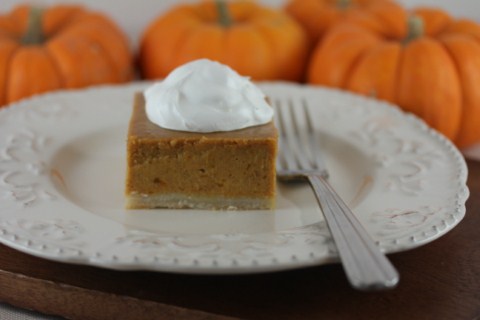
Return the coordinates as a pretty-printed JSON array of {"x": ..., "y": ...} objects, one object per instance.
[{"x": 74, "y": 302}]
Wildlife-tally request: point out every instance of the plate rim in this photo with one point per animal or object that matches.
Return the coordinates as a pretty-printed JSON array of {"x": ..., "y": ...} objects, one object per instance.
[{"x": 197, "y": 267}]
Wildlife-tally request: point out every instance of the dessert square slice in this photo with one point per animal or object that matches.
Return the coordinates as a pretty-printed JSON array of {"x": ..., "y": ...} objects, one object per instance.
[{"x": 219, "y": 170}]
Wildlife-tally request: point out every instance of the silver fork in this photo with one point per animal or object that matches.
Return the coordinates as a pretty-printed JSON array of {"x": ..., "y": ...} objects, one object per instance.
[{"x": 367, "y": 268}]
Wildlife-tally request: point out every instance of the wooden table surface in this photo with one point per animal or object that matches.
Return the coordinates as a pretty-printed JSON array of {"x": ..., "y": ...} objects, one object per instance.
[{"x": 440, "y": 280}]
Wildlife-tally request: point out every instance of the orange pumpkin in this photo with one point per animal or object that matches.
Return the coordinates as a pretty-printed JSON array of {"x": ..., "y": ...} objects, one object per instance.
[
  {"x": 59, "y": 47},
  {"x": 256, "y": 41},
  {"x": 424, "y": 61},
  {"x": 316, "y": 16}
]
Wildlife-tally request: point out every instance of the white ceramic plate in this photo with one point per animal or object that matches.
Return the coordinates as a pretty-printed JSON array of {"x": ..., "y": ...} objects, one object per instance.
[{"x": 62, "y": 168}]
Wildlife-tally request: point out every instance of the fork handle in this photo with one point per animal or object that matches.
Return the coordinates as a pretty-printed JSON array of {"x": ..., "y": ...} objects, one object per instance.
[{"x": 367, "y": 268}]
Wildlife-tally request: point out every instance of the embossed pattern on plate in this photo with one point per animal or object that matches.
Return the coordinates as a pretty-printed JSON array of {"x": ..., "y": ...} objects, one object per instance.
[{"x": 62, "y": 161}]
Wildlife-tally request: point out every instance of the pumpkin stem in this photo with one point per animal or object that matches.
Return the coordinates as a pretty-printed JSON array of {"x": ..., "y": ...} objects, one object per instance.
[
  {"x": 344, "y": 4},
  {"x": 34, "y": 34},
  {"x": 224, "y": 17},
  {"x": 416, "y": 28}
]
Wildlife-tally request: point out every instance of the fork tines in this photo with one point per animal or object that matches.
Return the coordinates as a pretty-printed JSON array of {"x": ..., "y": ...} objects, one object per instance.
[{"x": 300, "y": 151}]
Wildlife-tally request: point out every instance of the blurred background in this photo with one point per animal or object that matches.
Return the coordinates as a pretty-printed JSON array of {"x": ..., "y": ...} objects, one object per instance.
[{"x": 133, "y": 16}]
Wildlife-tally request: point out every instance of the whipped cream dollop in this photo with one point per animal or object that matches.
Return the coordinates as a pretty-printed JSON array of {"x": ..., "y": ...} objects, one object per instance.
[{"x": 206, "y": 96}]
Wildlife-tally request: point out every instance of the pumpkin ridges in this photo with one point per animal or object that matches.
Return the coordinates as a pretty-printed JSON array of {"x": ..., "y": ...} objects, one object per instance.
[
  {"x": 172, "y": 55},
  {"x": 366, "y": 21},
  {"x": 315, "y": 16},
  {"x": 269, "y": 39},
  {"x": 392, "y": 17},
  {"x": 376, "y": 72},
  {"x": 18, "y": 18},
  {"x": 93, "y": 40},
  {"x": 293, "y": 40},
  {"x": 28, "y": 61},
  {"x": 258, "y": 60},
  {"x": 318, "y": 16},
  {"x": 337, "y": 55},
  {"x": 99, "y": 31},
  {"x": 84, "y": 39},
  {"x": 293, "y": 58},
  {"x": 156, "y": 63},
  {"x": 195, "y": 45},
  {"x": 69, "y": 53},
  {"x": 277, "y": 57},
  {"x": 463, "y": 26},
  {"x": 7, "y": 50},
  {"x": 57, "y": 18},
  {"x": 419, "y": 73},
  {"x": 465, "y": 51},
  {"x": 436, "y": 20},
  {"x": 7, "y": 28},
  {"x": 5, "y": 36}
]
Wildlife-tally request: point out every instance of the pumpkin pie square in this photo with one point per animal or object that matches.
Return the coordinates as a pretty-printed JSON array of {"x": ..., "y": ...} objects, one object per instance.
[{"x": 213, "y": 171}]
